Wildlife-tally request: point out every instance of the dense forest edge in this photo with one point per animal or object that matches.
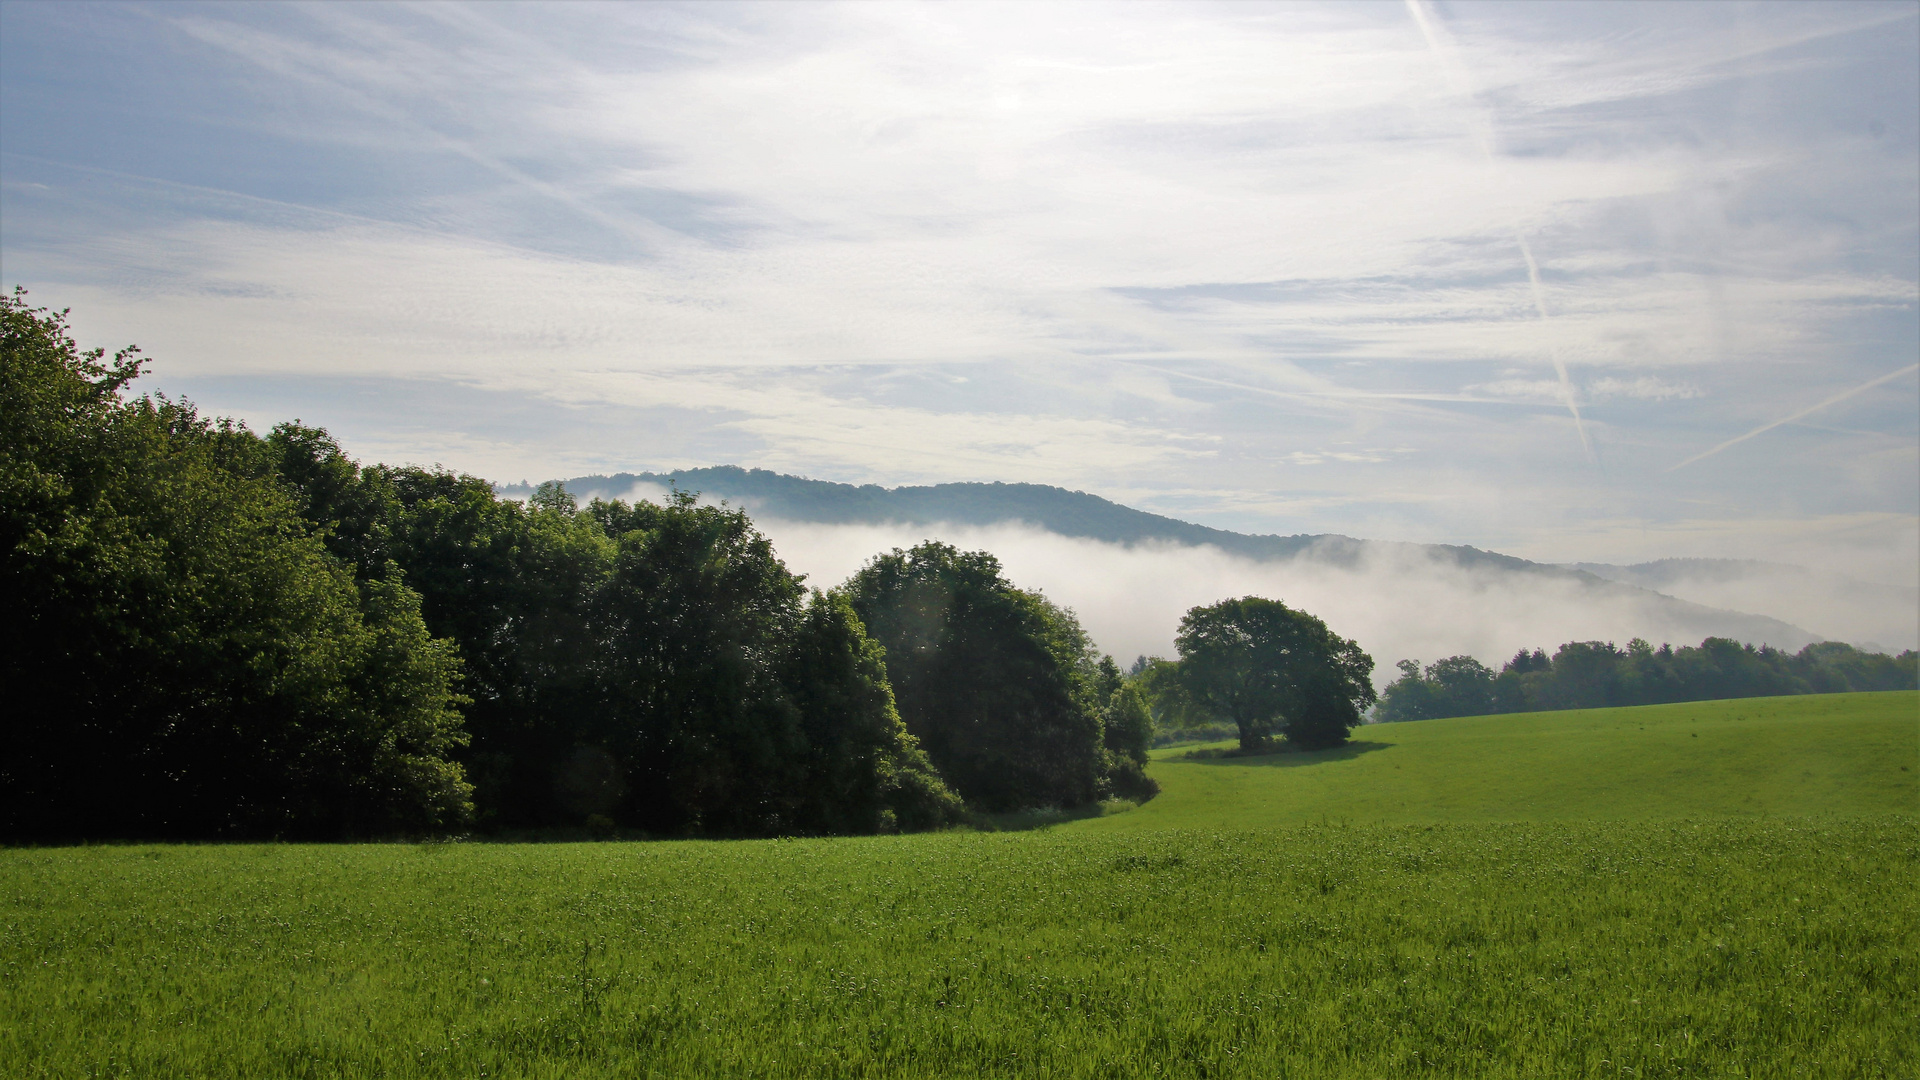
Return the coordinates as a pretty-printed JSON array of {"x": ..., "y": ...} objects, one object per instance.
[
  {"x": 1599, "y": 674},
  {"x": 213, "y": 633}
]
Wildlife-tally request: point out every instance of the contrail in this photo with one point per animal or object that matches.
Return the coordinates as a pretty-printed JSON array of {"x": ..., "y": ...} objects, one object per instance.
[
  {"x": 1559, "y": 365},
  {"x": 1809, "y": 410},
  {"x": 1483, "y": 136}
]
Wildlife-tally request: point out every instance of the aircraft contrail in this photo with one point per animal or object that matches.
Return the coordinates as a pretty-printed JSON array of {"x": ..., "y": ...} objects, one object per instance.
[
  {"x": 1457, "y": 72},
  {"x": 1809, "y": 410}
]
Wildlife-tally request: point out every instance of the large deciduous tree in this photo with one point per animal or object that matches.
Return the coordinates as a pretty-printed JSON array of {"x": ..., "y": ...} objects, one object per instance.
[
  {"x": 1261, "y": 664},
  {"x": 649, "y": 666},
  {"x": 995, "y": 682},
  {"x": 182, "y": 655}
]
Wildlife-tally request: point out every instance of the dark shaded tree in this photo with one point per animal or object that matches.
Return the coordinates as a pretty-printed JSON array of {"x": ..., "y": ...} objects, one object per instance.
[
  {"x": 863, "y": 771},
  {"x": 992, "y": 680},
  {"x": 1264, "y": 665},
  {"x": 641, "y": 666},
  {"x": 1598, "y": 674},
  {"x": 183, "y": 655}
]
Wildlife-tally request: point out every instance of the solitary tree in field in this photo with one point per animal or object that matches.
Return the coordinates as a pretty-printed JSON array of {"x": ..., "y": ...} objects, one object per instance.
[{"x": 1262, "y": 665}]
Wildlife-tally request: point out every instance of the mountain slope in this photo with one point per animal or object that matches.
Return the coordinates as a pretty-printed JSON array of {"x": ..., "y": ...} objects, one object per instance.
[
  {"x": 1079, "y": 515},
  {"x": 1876, "y": 616},
  {"x": 1056, "y": 510}
]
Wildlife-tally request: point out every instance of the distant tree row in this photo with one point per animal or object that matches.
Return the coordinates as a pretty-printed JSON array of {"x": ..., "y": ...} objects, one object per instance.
[
  {"x": 213, "y": 633},
  {"x": 1594, "y": 674}
]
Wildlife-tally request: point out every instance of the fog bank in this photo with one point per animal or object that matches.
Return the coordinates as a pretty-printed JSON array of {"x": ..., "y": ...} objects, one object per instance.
[
  {"x": 1397, "y": 601},
  {"x": 1873, "y": 615}
]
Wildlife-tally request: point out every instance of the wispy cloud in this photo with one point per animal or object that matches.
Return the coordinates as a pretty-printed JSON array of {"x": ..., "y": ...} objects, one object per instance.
[{"x": 1256, "y": 264}]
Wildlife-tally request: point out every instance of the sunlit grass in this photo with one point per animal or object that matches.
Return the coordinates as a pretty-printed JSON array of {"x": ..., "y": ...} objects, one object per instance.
[
  {"x": 1812, "y": 755},
  {"x": 1726, "y": 945}
]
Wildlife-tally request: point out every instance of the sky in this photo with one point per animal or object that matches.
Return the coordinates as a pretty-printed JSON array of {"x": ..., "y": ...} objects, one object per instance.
[{"x": 1522, "y": 276}]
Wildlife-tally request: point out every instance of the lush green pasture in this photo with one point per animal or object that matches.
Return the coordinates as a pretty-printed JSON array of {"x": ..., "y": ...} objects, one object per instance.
[
  {"x": 1848, "y": 754},
  {"x": 1171, "y": 940}
]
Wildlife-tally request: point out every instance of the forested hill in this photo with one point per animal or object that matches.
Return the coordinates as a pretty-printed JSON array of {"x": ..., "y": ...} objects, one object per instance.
[{"x": 1057, "y": 510}]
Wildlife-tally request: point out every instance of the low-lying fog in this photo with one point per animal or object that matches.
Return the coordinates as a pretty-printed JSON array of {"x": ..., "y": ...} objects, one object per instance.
[
  {"x": 1883, "y": 617},
  {"x": 1397, "y": 602}
]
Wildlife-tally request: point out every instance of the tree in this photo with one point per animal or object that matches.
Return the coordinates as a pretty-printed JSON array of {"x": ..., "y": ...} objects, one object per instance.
[
  {"x": 1261, "y": 664},
  {"x": 1597, "y": 674},
  {"x": 991, "y": 680},
  {"x": 652, "y": 667},
  {"x": 184, "y": 655},
  {"x": 863, "y": 771},
  {"x": 1129, "y": 734},
  {"x": 1171, "y": 707},
  {"x": 1456, "y": 686},
  {"x": 1410, "y": 697}
]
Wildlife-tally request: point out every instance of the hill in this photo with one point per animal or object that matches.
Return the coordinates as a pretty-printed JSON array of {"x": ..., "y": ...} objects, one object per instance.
[
  {"x": 1831, "y": 754},
  {"x": 1219, "y": 931},
  {"x": 1080, "y": 515},
  {"x": 1878, "y": 617}
]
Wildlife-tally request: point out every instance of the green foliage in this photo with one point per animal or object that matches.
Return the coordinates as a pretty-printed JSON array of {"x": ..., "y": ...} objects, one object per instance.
[
  {"x": 1456, "y": 686},
  {"x": 1175, "y": 714},
  {"x": 183, "y": 655},
  {"x": 1128, "y": 721},
  {"x": 632, "y": 666},
  {"x": 866, "y": 773},
  {"x": 1261, "y": 664},
  {"x": 996, "y": 683},
  {"x": 1593, "y": 674}
]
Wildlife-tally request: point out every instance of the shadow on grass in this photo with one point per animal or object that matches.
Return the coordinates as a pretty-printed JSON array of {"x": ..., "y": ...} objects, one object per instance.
[
  {"x": 1047, "y": 817},
  {"x": 1284, "y": 759}
]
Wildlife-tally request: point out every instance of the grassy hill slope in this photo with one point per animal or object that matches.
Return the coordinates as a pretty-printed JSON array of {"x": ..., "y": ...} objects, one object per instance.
[
  {"x": 1842, "y": 754},
  {"x": 1227, "y": 935}
]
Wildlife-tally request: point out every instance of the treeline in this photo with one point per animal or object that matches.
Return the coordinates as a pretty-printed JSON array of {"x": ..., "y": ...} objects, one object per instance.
[
  {"x": 1595, "y": 674},
  {"x": 208, "y": 632}
]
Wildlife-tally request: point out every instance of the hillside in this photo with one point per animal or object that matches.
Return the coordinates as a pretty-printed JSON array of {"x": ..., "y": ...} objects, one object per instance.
[
  {"x": 1879, "y": 616},
  {"x": 1834, "y": 754},
  {"x": 1079, "y": 515},
  {"x": 1250, "y": 922}
]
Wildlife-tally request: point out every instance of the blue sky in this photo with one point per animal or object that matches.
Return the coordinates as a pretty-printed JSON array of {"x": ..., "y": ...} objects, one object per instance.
[{"x": 1264, "y": 267}]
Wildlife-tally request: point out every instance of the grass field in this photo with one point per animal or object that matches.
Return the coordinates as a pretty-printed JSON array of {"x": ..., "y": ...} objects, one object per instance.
[
  {"x": 1849, "y": 754},
  {"x": 1221, "y": 930}
]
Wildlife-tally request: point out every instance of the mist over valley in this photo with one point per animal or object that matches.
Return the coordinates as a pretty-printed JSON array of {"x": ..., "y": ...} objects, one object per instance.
[{"x": 1130, "y": 574}]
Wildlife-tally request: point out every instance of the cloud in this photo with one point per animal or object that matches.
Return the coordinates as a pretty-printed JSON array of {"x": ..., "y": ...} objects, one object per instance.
[
  {"x": 1643, "y": 388},
  {"x": 1213, "y": 257}
]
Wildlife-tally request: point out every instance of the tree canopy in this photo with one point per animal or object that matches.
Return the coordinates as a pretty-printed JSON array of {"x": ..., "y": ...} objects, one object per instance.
[
  {"x": 213, "y": 633},
  {"x": 649, "y": 667},
  {"x": 1264, "y": 665},
  {"x": 1001, "y": 686},
  {"x": 182, "y": 653}
]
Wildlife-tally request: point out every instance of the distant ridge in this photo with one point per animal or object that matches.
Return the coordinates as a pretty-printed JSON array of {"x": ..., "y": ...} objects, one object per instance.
[
  {"x": 1081, "y": 515},
  {"x": 1057, "y": 510}
]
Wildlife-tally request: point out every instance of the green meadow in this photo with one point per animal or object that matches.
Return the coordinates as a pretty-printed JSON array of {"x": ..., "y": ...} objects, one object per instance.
[
  {"x": 1812, "y": 755},
  {"x": 1712, "y": 889}
]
